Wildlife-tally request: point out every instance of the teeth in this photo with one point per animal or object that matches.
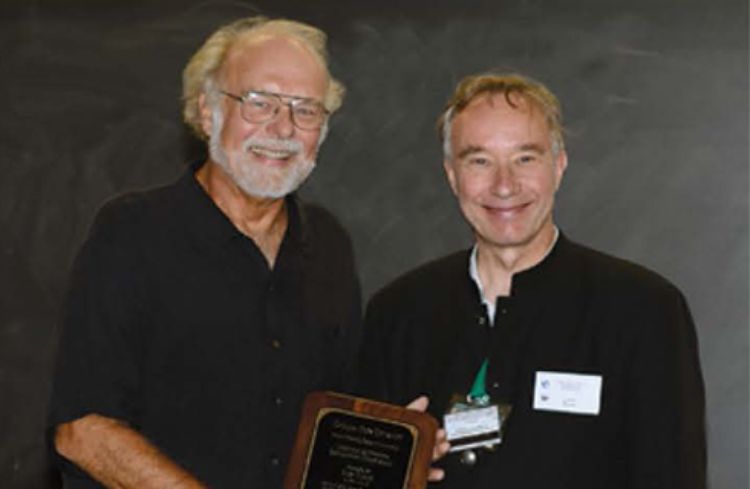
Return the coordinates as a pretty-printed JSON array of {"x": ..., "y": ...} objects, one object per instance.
[{"x": 269, "y": 153}]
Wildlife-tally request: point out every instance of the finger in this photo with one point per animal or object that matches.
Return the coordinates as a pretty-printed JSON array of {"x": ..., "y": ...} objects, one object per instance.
[
  {"x": 440, "y": 450},
  {"x": 435, "y": 474},
  {"x": 419, "y": 404},
  {"x": 441, "y": 447}
]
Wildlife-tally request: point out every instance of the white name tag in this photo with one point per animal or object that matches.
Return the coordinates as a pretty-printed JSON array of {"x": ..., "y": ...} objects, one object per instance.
[{"x": 567, "y": 393}]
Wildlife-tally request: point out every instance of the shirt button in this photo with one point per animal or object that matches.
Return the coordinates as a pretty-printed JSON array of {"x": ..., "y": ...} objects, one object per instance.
[{"x": 276, "y": 344}]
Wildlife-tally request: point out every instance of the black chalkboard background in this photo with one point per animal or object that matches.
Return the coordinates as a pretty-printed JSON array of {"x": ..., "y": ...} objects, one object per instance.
[{"x": 655, "y": 94}]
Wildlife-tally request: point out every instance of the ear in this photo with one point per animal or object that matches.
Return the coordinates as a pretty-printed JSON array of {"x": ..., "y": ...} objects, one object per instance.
[
  {"x": 450, "y": 173},
  {"x": 206, "y": 114},
  {"x": 323, "y": 134},
  {"x": 561, "y": 164}
]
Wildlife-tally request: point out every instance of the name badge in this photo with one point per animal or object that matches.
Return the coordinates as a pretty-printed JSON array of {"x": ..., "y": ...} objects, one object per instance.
[
  {"x": 567, "y": 392},
  {"x": 473, "y": 427}
]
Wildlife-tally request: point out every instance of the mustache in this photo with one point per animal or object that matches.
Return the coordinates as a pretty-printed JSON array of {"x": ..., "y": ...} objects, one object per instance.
[{"x": 272, "y": 144}]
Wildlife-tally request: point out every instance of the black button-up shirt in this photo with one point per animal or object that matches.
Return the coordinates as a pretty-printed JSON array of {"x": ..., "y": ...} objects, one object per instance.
[{"x": 175, "y": 323}]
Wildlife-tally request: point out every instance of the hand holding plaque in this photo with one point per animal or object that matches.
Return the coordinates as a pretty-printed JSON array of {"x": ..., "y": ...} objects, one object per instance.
[{"x": 346, "y": 442}]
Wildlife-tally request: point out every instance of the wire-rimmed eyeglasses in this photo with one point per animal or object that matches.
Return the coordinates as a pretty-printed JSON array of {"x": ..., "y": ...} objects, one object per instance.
[{"x": 259, "y": 106}]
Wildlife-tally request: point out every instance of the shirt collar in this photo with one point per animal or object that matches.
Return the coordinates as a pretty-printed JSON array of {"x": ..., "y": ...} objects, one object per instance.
[
  {"x": 211, "y": 225},
  {"x": 474, "y": 274}
]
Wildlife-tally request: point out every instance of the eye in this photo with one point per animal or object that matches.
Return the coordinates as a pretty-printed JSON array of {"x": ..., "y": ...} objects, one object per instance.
[
  {"x": 478, "y": 160},
  {"x": 259, "y": 104},
  {"x": 527, "y": 158},
  {"x": 307, "y": 111}
]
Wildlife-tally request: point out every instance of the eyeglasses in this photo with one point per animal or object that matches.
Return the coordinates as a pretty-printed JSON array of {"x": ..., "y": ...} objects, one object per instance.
[{"x": 258, "y": 106}]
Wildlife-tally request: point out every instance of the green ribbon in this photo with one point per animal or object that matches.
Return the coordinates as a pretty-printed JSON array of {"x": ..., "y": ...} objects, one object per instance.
[{"x": 478, "y": 393}]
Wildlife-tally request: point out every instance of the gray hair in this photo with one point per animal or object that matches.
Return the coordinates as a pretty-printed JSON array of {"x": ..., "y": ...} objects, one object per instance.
[
  {"x": 511, "y": 86},
  {"x": 199, "y": 76}
]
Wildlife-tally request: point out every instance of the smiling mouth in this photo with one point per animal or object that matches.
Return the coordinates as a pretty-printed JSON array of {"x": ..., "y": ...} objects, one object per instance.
[
  {"x": 506, "y": 211},
  {"x": 274, "y": 154}
]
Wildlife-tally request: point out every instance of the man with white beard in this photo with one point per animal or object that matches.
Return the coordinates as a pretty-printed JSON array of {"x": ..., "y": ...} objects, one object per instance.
[{"x": 199, "y": 314}]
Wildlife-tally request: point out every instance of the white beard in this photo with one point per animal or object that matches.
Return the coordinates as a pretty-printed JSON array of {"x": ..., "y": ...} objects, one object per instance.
[{"x": 257, "y": 180}]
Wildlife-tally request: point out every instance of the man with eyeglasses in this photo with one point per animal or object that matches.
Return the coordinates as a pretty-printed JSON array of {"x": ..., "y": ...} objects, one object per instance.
[{"x": 199, "y": 314}]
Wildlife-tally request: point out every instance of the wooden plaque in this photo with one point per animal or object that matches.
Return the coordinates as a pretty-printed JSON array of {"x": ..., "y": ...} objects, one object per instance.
[{"x": 346, "y": 442}]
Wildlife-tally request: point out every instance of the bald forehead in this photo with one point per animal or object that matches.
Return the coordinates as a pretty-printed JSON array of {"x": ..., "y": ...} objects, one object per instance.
[
  {"x": 269, "y": 40},
  {"x": 265, "y": 49}
]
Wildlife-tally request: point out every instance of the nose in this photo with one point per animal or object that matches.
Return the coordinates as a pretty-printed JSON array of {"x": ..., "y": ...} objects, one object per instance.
[
  {"x": 505, "y": 182},
  {"x": 281, "y": 124}
]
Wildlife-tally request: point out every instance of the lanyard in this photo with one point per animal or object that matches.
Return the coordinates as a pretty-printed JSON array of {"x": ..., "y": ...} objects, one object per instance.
[{"x": 478, "y": 394}]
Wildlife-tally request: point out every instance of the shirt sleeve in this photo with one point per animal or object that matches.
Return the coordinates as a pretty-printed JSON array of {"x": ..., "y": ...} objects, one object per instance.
[
  {"x": 96, "y": 368},
  {"x": 666, "y": 402},
  {"x": 373, "y": 362}
]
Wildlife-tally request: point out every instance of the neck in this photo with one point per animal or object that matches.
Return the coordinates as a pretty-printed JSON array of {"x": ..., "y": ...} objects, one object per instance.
[
  {"x": 264, "y": 220},
  {"x": 496, "y": 265}
]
